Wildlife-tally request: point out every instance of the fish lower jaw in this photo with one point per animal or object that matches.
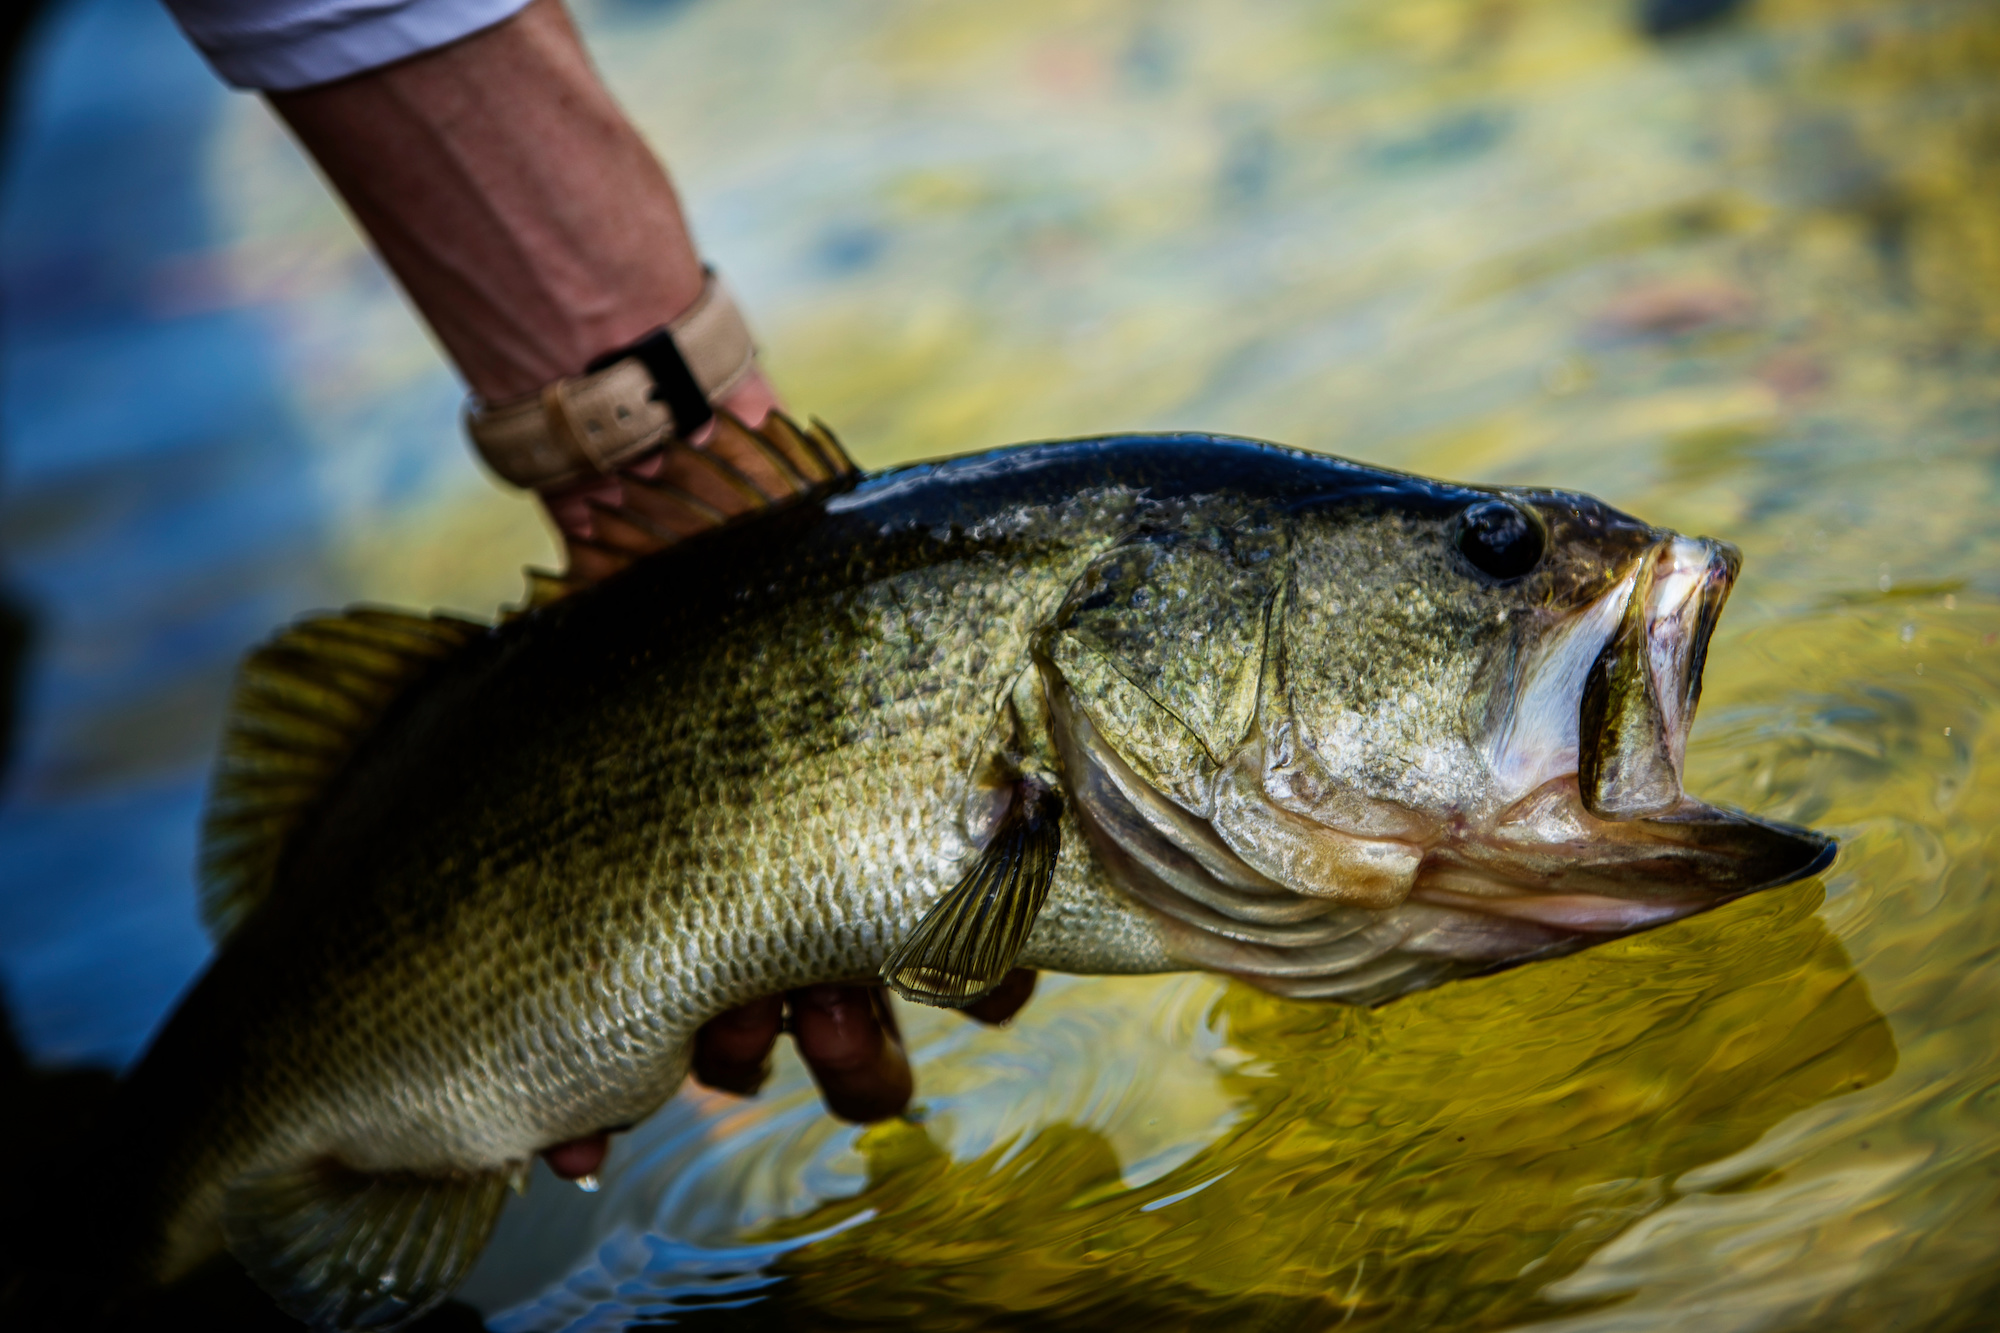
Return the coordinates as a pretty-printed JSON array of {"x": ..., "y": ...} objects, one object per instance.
[
  {"x": 1549, "y": 818},
  {"x": 1547, "y": 859},
  {"x": 1514, "y": 868},
  {"x": 1576, "y": 913}
]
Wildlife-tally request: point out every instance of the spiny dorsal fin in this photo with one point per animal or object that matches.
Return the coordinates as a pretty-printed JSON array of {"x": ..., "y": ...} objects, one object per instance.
[
  {"x": 966, "y": 944},
  {"x": 687, "y": 489},
  {"x": 343, "y": 1249},
  {"x": 544, "y": 586},
  {"x": 303, "y": 702}
]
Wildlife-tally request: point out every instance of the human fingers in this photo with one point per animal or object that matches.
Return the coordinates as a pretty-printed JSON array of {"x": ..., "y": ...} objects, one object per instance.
[
  {"x": 847, "y": 1037},
  {"x": 1005, "y": 1000},
  {"x": 579, "y": 1159},
  {"x": 732, "y": 1051},
  {"x": 752, "y": 399},
  {"x": 706, "y": 496}
]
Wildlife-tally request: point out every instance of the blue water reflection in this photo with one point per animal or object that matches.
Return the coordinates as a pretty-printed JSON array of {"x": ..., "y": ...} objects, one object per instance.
[{"x": 156, "y": 515}]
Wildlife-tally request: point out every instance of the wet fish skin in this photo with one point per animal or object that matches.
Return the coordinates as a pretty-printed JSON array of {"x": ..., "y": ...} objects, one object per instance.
[
  {"x": 753, "y": 762},
  {"x": 537, "y": 974}
]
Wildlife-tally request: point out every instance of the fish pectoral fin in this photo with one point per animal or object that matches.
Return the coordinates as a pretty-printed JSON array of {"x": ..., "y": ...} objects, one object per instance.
[
  {"x": 966, "y": 944},
  {"x": 344, "y": 1249}
]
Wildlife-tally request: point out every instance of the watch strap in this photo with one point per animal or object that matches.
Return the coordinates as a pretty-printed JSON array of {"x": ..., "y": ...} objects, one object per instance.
[{"x": 626, "y": 402}]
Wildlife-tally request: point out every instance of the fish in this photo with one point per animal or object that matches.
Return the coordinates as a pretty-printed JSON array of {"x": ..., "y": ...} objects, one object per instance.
[{"x": 1121, "y": 705}]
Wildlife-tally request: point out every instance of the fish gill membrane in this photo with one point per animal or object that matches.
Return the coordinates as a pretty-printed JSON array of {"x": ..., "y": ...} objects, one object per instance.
[{"x": 1128, "y": 705}]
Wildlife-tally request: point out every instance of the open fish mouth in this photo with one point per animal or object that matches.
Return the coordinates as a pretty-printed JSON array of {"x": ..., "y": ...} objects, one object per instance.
[
  {"x": 1639, "y": 698},
  {"x": 1617, "y": 845},
  {"x": 1590, "y": 835}
]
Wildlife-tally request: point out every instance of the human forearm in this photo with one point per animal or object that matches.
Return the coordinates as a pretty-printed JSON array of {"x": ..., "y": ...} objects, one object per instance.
[{"x": 522, "y": 213}]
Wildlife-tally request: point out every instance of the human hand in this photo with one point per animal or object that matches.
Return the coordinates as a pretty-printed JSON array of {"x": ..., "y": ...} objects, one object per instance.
[
  {"x": 533, "y": 227},
  {"x": 847, "y": 1036},
  {"x": 579, "y": 510}
]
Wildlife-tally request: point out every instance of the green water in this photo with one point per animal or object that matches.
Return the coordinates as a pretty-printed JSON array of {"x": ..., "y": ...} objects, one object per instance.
[{"x": 1745, "y": 283}]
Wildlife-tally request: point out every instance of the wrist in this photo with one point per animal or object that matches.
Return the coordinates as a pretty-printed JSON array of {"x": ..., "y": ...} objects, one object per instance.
[
  {"x": 752, "y": 402},
  {"x": 664, "y": 385}
]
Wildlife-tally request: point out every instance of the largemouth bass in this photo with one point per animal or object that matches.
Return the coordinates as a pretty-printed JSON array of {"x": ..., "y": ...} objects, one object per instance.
[{"x": 1123, "y": 705}]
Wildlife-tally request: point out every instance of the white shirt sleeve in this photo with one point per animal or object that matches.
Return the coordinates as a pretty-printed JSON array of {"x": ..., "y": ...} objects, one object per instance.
[{"x": 278, "y": 45}]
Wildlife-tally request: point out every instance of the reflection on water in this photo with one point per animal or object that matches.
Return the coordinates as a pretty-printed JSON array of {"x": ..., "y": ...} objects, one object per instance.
[
  {"x": 1435, "y": 1162},
  {"x": 1745, "y": 282}
]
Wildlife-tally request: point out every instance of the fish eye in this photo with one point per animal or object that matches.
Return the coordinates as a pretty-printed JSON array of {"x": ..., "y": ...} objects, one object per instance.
[{"x": 1501, "y": 538}]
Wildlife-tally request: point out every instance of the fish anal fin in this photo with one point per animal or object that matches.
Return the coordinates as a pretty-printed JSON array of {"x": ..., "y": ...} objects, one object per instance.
[
  {"x": 967, "y": 942},
  {"x": 344, "y": 1249},
  {"x": 303, "y": 703}
]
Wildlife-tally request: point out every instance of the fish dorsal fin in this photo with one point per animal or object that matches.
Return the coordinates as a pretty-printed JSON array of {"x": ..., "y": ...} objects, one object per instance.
[
  {"x": 544, "y": 586},
  {"x": 303, "y": 702},
  {"x": 966, "y": 944},
  {"x": 344, "y": 1249},
  {"x": 688, "y": 489}
]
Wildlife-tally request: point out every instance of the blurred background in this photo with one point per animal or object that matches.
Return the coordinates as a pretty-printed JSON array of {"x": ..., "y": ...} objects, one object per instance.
[{"x": 1733, "y": 267}]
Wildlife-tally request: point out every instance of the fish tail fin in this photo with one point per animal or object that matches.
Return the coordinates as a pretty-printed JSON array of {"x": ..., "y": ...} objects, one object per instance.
[{"x": 344, "y": 1249}]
